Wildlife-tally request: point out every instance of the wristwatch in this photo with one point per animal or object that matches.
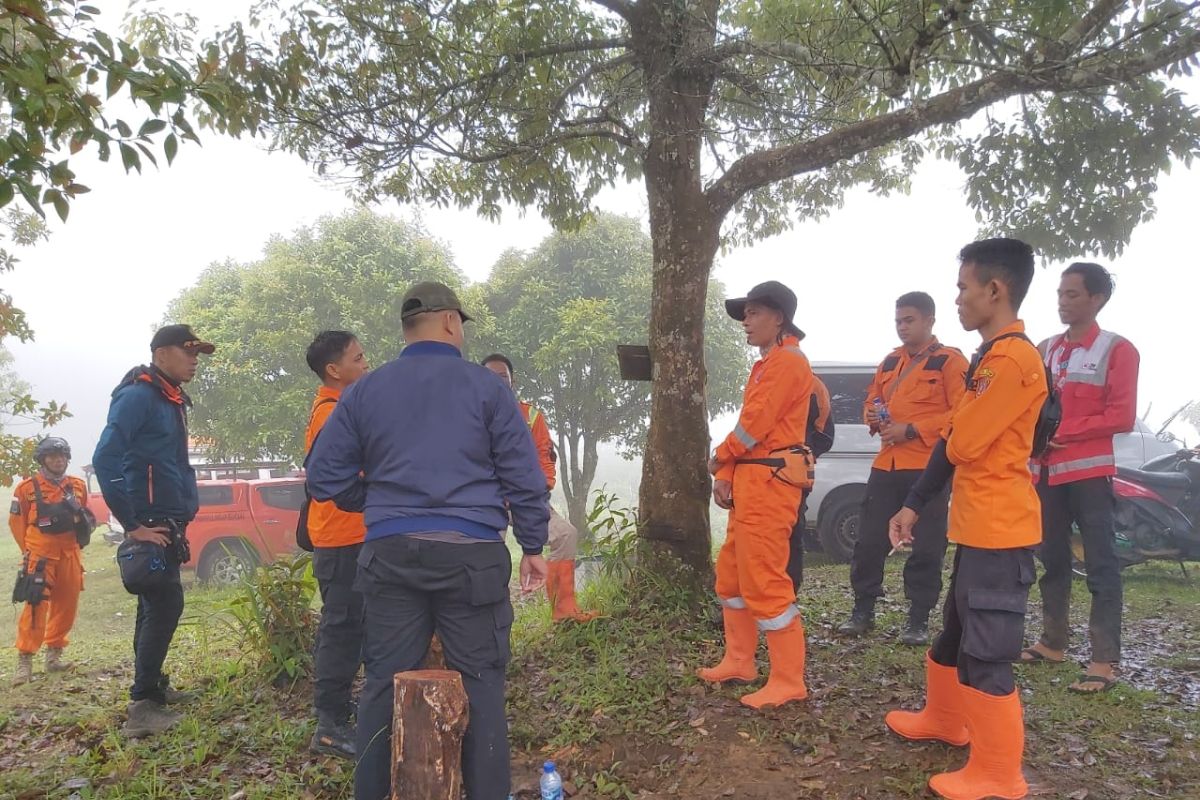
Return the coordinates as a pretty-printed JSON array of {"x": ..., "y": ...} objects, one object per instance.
[{"x": 910, "y": 432}]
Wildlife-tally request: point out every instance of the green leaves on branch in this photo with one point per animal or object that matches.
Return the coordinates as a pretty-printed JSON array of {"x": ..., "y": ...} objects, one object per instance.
[{"x": 53, "y": 60}]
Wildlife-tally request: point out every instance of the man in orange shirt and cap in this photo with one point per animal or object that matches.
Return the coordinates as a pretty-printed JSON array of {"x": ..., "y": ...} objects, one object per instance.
[
  {"x": 337, "y": 537},
  {"x": 995, "y": 519},
  {"x": 752, "y": 478},
  {"x": 564, "y": 537}
]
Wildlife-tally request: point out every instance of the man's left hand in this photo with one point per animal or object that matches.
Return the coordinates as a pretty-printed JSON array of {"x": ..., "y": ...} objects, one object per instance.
[
  {"x": 533, "y": 573},
  {"x": 714, "y": 466}
]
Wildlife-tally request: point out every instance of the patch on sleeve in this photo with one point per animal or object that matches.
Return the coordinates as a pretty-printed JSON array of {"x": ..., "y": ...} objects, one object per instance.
[
  {"x": 982, "y": 380},
  {"x": 15, "y": 508}
]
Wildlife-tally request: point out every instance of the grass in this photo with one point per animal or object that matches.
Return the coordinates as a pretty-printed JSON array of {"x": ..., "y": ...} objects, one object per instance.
[{"x": 617, "y": 704}]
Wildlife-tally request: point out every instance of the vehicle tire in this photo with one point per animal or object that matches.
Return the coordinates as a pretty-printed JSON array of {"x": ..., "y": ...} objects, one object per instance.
[
  {"x": 837, "y": 526},
  {"x": 226, "y": 562}
]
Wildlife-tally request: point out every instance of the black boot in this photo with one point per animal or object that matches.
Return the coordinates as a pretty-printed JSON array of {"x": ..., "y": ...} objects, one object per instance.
[
  {"x": 916, "y": 630},
  {"x": 862, "y": 618},
  {"x": 333, "y": 737}
]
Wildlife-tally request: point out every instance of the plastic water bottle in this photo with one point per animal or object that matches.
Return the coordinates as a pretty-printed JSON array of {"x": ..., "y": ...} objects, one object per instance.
[
  {"x": 552, "y": 788},
  {"x": 882, "y": 411}
]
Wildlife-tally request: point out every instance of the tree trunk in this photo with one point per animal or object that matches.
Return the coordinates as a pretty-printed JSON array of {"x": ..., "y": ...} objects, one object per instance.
[
  {"x": 675, "y": 487},
  {"x": 427, "y": 733}
]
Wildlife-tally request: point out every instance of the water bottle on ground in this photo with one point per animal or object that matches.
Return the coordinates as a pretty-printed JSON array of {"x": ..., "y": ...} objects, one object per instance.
[{"x": 552, "y": 785}]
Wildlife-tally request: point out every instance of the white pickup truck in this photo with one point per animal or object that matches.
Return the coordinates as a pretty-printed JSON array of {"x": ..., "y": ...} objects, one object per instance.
[{"x": 836, "y": 501}]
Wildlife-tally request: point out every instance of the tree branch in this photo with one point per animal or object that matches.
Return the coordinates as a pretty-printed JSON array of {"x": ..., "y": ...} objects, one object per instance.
[
  {"x": 622, "y": 8},
  {"x": 780, "y": 163}
]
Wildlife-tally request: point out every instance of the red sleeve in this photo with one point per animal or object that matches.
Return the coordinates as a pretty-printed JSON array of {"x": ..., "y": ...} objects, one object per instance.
[{"x": 1120, "y": 401}]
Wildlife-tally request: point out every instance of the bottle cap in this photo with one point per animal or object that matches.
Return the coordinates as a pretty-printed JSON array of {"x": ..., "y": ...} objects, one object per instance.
[{"x": 548, "y": 766}]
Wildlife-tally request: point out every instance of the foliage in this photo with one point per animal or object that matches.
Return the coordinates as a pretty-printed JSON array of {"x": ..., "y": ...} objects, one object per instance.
[
  {"x": 612, "y": 535},
  {"x": 559, "y": 313},
  {"x": 347, "y": 272},
  {"x": 62, "y": 77},
  {"x": 740, "y": 116},
  {"x": 274, "y": 620},
  {"x": 1193, "y": 415}
]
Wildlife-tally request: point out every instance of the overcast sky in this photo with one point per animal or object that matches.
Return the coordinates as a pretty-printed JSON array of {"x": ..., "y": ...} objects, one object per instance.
[{"x": 97, "y": 289}]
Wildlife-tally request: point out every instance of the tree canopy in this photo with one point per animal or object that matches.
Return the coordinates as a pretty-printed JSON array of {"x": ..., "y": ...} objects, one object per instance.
[{"x": 739, "y": 116}]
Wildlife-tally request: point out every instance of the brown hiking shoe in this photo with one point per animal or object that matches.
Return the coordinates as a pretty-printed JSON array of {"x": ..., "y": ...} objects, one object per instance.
[
  {"x": 54, "y": 661},
  {"x": 24, "y": 669},
  {"x": 149, "y": 718}
]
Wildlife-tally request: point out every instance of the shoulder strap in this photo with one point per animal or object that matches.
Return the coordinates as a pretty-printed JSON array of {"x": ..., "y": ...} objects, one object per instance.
[
  {"x": 38, "y": 499},
  {"x": 917, "y": 361},
  {"x": 531, "y": 416},
  {"x": 987, "y": 346},
  {"x": 307, "y": 453}
]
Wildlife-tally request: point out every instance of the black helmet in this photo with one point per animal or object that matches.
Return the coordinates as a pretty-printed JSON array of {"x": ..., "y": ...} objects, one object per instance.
[
  {"x": 772, "y": 294},
  {"x": 49, "y": 446}
]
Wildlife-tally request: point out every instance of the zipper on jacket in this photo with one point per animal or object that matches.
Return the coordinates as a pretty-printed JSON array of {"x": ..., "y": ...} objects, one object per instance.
[{"x": 150, "y": 484}]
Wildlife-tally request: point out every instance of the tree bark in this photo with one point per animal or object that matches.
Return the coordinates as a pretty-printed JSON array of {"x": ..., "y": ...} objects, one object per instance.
[
  {"x": 675, "y": 486},
  {"x": 427, "y": 733}
]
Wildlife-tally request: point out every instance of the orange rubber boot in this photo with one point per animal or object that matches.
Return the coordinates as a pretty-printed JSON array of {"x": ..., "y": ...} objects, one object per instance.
[
  {"x": 741, "y": 640},
  {"x": 942, "y": 718},
  {"x": 560, "y": 588},
  {"x": 993, "y": 769},
  {"x": 785, "y": 682}
]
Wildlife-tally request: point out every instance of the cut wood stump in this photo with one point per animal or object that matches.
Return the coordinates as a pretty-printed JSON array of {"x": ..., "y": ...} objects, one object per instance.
[{"x": 430, "y": 719}]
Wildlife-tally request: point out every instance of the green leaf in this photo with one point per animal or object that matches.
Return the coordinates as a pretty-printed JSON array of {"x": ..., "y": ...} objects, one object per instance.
[
  {"x": 151, "y": 126},
  {"x": 114, "y": 82},
  {"x": 6, "y": 193},
  {"x": 130, "y": 159},
  {"x": 170, "y": 148}
]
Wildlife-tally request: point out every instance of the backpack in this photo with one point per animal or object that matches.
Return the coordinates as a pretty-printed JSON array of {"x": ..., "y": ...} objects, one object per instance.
[
  {"x": 1050, "y": 415},
  {"x": 303, "y": 539},
  {"x": 821, "y": 430}
]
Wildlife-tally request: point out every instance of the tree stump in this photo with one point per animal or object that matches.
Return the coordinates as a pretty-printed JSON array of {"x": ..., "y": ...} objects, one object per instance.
[{"x": 429, "y": 721}]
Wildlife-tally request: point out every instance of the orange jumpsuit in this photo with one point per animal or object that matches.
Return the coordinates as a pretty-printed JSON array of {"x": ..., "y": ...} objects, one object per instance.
[
  {"x": 752, "y": 564},
  {"x": 564, "y": 538},
  {"x": 51, "y": 620}
]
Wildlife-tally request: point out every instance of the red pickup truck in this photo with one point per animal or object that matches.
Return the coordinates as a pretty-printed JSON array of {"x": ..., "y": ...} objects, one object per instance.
[{"x": 241, "y": 524}]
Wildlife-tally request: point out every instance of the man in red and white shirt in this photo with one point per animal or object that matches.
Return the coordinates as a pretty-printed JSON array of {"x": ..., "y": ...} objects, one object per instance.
[{"x": 1095, "y": 373}]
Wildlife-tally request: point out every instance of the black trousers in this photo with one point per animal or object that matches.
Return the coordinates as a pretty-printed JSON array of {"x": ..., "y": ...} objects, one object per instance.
[
  {"x": 158, "y": 614},
  {"x": 1088, "y": 504},
  {"x": 411, "y": 589},
  {"x": 886, "y": 492},
  {"x": 339, "y": 637},
  {"x": 795, "y": 565},
  {"x": 983, "y": 619}
]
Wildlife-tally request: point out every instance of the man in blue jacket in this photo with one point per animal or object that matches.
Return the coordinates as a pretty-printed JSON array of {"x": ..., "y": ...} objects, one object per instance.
[
  {"x": 432, "y": 447},
  {"x": 149, "y": 485}
]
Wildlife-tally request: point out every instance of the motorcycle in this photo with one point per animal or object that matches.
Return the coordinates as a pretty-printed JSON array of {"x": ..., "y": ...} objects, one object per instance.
[{"x": 1157, "y": 510}]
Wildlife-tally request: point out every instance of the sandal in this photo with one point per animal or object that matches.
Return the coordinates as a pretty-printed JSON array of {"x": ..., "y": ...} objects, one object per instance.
[
  {"x": 1084, "y": 679},
  {"x": 1033, "y": 656}
]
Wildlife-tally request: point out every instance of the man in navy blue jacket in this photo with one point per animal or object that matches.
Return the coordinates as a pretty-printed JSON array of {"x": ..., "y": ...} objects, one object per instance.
[
  {"x": 432, "y": 449},
  {"x": 149, "y": 485}
]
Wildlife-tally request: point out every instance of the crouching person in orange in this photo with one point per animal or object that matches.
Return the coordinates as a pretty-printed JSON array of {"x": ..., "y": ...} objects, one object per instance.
[
  {"x": 564, "y": 537},
  {"x": 752, "y": 580},
  {"x": 995, "y": 519},
  {"x": 49, "y": 519}
]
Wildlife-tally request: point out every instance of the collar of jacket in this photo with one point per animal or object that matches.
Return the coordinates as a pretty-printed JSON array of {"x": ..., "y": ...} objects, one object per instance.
[
  {"x": 1015, "y": 327},
  {"x": 152, "y": 375},
  {"x": 1087, "y": 341},
  {"x": 431, "y": 349},
  {"x": 50, "y": 479}
]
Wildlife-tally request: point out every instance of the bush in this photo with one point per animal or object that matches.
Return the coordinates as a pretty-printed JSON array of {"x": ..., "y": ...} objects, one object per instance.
[
  {"x": 613, "y": 536},
  {"x": 273, "y": 618}
]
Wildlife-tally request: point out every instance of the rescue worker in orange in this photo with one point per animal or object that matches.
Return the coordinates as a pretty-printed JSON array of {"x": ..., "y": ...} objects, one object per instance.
[
  {"x": 753, "y": 585},
  {"x": 564, "y": 537},
  {"x": 995, "y": 519},
  {"x": 337, "y": 537},
  {"x": 48, "y": 520},
  {"x": 915, "y": 388}
]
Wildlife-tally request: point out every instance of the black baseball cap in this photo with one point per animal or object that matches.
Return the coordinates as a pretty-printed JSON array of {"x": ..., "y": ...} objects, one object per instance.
[
  {"x": 181, "y": 336},
  {"x": 772, "y": 294},
  {"x": 430, "y": 296}
]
